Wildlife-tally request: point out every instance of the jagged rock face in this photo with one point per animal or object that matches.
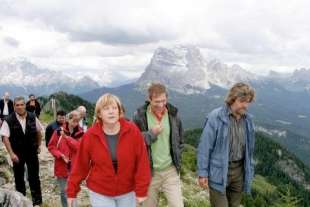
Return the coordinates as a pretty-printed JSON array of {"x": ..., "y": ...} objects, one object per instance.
[
  {"x": 13, "y": 199},
  {"x": 177, "y": 68},
  {"x": 183, "y": 67}
]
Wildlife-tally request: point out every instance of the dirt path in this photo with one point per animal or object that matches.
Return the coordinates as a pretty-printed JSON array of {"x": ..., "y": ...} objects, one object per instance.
[{"x": 48, "y": 181}]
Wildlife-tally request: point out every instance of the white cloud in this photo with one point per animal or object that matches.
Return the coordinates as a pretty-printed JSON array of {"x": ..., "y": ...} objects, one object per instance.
[
  {"x": 11, "y": 41},
  {"x": 106, "y": 35}
]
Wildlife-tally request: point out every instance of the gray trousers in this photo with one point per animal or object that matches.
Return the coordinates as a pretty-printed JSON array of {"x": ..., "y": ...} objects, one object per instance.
[
  {"x": 233, "y": 194},
  {"x": 62, "y": 184}
]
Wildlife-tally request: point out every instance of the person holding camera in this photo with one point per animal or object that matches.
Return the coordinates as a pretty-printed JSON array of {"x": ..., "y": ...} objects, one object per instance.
[
  {"x": 60, "y": 120},
  {"x": 63, "y": 146}
]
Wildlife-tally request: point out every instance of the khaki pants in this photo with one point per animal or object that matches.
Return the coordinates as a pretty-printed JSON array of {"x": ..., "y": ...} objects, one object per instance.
[
  {"x": 168, "y": 181},
  {"x": 233, "y": 194}
]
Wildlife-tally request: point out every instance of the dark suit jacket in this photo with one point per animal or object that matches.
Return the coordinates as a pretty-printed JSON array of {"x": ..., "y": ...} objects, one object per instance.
[{"x": 10, "y": 106}]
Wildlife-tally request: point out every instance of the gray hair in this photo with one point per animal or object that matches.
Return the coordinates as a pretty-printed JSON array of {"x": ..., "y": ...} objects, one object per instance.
[{"x": 19, "y": 98}]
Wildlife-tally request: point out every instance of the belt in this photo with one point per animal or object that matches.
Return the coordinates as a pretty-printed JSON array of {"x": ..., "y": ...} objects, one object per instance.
[{"x": 235, "y": 163}]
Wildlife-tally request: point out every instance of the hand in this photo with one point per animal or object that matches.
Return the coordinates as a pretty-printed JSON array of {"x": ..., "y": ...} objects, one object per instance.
[
  {"x": 70, "y": 201},
  {"x": 62, "y": 133},
  {"x": 66, "y": 159},
  {"x": 140, "y": 199},
  {"x": 157, "y": 129},
  {"x": 14, "y": 158},
  {"x": 203, "y": 182}
]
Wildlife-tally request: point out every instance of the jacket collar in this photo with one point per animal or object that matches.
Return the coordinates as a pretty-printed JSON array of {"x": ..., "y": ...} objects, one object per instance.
[
  {"x": 96, "y": 129},
  {"x": 225, "y": 112},
  {"x": 77, "y": 131},
  {"x": 172, "y": 110}
]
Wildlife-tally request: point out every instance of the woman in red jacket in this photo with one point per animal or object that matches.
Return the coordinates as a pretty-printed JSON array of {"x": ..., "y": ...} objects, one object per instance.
[
  {"x": 112, "y": 158},
  {"x": 63, "y": 146}
]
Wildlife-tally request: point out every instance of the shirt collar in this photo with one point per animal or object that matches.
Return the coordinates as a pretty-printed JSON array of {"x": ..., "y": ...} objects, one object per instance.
[
  {"x": 20, "y": 117},
  {"x": 230, "y": 114},
  {"x": 159, "y": 116}
]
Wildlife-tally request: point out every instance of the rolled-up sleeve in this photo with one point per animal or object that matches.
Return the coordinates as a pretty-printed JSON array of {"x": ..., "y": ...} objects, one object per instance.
[
  {"x": 39, "y": 126},
  {"x": 5, "y": 130}
]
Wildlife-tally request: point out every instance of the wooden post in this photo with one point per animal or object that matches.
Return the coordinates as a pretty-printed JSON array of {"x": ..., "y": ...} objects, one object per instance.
[{"x": 53, "y": 101}]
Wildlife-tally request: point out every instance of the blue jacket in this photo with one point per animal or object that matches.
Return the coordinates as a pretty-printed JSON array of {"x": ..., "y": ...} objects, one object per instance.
[
  {"x": 213, "y": 150},
  {"x": 50, "y": 130}
]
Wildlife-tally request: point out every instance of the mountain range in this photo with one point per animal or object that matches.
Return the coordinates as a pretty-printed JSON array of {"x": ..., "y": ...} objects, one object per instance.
[
  {"x": 196, "y": 85},
  {"x": 21, "y": 77},
  {"x": 182, "y": 68}
]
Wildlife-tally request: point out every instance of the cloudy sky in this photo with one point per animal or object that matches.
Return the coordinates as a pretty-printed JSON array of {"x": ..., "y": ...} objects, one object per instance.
[{"x": 112, "y": 36}]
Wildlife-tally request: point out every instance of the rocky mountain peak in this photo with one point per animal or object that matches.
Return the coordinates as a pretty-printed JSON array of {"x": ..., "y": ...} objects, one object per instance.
[{"x": 182, "y": 67}]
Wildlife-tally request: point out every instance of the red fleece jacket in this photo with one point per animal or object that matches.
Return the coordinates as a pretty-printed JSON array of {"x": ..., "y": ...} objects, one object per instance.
[{"x": 94, "y": 163}]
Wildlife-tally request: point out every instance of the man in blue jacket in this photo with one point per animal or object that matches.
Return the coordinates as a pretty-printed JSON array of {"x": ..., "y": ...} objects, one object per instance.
[{"x": 225, "y": 152}]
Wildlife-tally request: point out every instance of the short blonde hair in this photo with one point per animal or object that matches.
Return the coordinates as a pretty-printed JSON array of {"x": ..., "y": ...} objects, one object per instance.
[
  {"x": 104, "y": 101},
  {"x": 240, "y": 90}
]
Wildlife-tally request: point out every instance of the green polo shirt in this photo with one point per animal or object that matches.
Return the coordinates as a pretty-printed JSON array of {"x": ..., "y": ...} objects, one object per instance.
[{"x": 161, "y": 148}]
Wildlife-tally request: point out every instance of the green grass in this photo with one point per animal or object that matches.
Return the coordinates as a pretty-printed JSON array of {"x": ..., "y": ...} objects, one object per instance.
[
  {"x": 46, "y": 118},
  {"x": 261, "y": 186}
]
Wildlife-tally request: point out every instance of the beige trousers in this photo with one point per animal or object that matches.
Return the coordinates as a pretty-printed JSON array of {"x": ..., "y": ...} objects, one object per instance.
[{"x": 166, "y": 181}]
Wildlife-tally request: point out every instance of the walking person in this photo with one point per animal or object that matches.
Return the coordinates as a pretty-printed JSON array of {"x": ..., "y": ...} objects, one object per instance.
[
  {"x": 21, "y": 132},
  {"x": 63, "y": 146},
  {"x": 163, "y": 133},
  {"x": 60, "y": 120},
  {"x": 33, "y": 105},
  {"x": 6, "y": 106},
  {"x": 112, "y": 158},
  {"x": 225, "y": 152},
  {"x": 83, "y": 120}
]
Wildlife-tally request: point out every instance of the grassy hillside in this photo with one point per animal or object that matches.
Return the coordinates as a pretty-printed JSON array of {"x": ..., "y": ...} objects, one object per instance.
[
  {"x": 281, "y": 178},
  {"x": 66, "y": 102}
]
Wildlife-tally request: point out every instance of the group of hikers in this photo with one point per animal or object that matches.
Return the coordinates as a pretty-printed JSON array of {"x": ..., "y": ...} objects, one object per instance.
[{"x": 129, "y": 163}]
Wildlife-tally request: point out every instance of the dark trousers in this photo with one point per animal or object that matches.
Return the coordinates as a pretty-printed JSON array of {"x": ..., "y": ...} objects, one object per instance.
[
  {"x": 32, "y": 162},
  {"x": 233, "y": 194}
]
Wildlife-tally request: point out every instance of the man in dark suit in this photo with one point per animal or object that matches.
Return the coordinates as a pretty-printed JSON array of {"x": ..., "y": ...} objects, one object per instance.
[{"x": 6, "y": 106}]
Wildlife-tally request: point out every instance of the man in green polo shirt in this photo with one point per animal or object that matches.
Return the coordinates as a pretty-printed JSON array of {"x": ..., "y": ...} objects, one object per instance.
[{"x": 163, "y": 134}]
